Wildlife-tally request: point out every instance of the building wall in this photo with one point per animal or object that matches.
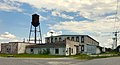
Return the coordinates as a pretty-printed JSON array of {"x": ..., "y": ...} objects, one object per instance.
[
  {"x": 13, "y": 47},
  {"x": 118, "y": 49},
  {"x": 75, "y": 44},
  {"x": 22, "y": 47},
  {"x": 43, "y": 50},
  {"x": 89, "y": 40},
  {"x": 98, "y": 50},
  {"x": 57, "y": 38},
  {"x": 0, "y": 47},
  {"x": 9, "y": 48},
  {"x": 71, "y": 48},
  {"x": 86, "y": 39},
  {"x": 61, "y": 51},
  {"x": 90, "y": 49},
  {"x": 32, "y": 50}
]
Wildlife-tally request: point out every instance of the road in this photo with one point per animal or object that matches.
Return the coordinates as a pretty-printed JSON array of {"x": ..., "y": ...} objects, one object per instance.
[{"x": 59, "y": 61}]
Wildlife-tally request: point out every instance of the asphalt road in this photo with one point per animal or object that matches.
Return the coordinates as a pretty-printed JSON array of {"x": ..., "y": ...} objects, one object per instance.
[{"x": 59, "y": 61}]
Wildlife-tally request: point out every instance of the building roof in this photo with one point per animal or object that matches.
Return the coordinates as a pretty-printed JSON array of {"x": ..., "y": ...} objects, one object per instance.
[
  {"x": 47, "y": 45},
  {"x": 67, "y": 35}
]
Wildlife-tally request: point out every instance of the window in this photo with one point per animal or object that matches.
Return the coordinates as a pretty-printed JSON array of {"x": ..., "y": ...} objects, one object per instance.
[
  {"x": 48, "y": 40},
  {"x": 77, "y": 39},
  {"x": 82, "y": 48},
  {"x": 8, "y": 49},
  {"x": 60, "y": 39},
  {"x": 67, "y": 50},
  {"x": 31, "y": 50},
  {"x": 51, "y": 40},
  {"x": 56, "y": 51},
  {"x": 68, "y": 38},
  {"x": 72, "y": 50},
  {"x": 55, "y": 39},
  {"x": 82, "y": 39},
  {"x": 72, "y": 38}
]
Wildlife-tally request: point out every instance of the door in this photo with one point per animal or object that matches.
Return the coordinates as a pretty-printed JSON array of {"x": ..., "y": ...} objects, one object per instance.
[
  {"x": 69, "y": 51},
  {"x": 77, "y": 49}
]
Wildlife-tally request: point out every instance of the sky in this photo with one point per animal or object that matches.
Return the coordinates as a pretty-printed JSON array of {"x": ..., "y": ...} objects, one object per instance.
[{"x": 96, "y": 18}]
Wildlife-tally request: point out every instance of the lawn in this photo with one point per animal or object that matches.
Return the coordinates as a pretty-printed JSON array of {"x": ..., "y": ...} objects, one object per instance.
[
  {"x": 31, "y": 55},
  {"x": 88, "y": 57},
  {"x": 79, "y": 56}
]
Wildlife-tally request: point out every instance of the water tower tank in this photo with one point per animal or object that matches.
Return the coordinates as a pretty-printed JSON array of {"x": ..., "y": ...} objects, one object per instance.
[{"x": 35, "y": 20}]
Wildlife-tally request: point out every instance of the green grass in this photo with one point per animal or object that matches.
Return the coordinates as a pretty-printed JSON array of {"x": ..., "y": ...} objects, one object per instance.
[
  {"x": 97, "y": 57},
  {"x": 111, "y": 53},
  {"x": 88, "y": 57},
  {"x": 81, "y": 56},
  {"x": 31, "y": 55}
]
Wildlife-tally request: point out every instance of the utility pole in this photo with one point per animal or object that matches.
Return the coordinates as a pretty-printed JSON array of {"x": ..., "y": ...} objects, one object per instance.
[
  {"x": 115, "y": 39},
  {"x": 116, "y": 20}
]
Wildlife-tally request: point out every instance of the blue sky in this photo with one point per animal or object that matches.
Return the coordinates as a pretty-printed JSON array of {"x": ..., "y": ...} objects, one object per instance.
[{"x": 91, "y": 17}]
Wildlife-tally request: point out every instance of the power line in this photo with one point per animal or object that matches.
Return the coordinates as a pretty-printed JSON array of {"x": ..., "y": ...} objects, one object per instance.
[{"x": 115, "y": 27}]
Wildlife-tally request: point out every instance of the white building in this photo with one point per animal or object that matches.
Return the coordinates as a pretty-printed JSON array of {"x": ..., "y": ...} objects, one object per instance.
[
  {"x": 87, "y": 44},
  {"x": 118, "y": 48},
  {"x": 13, "y": 47},
  {"x": 0, "y": 47},
  {"x": 65, "y": 47}
]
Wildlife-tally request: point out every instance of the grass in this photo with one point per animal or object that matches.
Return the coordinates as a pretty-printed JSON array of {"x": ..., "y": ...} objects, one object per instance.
[
  {"x": 89, "y": 57},
  {"x": 30, "y": 55},
  {"x": 79, "y": 56},
  {"x": 107, "y": 55}
]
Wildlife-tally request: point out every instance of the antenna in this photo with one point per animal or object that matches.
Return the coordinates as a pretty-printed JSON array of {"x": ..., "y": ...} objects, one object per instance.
[
  {"x": 35, "y": 23},
  {"x": 51, "y": 35}
]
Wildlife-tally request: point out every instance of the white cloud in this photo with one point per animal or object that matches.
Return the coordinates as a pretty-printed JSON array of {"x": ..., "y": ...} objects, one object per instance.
[
  {"x": 48, "y": 34},
  {"x": 42, "y": 18},
  {"x": 101, "y": 30},
  {"x": 98, "y": 8},
  {"x": 10, "y": 5},
  {"x": 91, "y": 9},
  {"x": 7, "y": 35},
  {"x": 56, "y": 13},
  {"x": 55, "y": 33}
]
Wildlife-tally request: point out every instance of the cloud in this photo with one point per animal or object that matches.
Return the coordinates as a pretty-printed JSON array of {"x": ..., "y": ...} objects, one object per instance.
[
  {"x": 10, "y": 5},
  {"x": 48, "y": 34},
  {"x": 101, "y": 29},
  {"x": 55, "y": 33},
  {"x": 42, "y": 18},
  {"x": 91, "y": 9},
  {"x": 56, "y": 13},
  {"x": 7, "y": 35},
  {"x": 106, "y": 24}
]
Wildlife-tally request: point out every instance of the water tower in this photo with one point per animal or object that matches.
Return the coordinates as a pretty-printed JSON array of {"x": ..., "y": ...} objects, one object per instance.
[{"x": 35, "y": 28}]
